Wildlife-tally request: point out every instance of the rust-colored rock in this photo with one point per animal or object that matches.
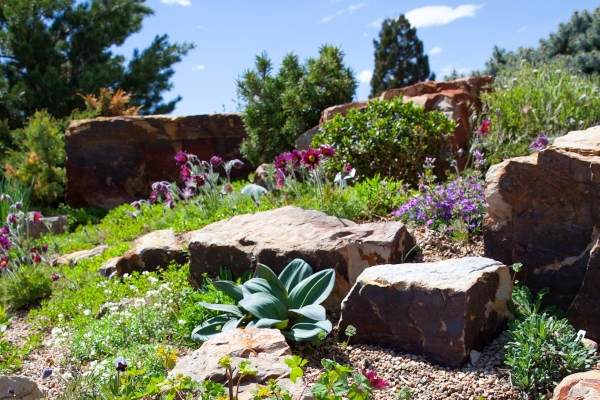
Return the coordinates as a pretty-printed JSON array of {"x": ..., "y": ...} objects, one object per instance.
[
  {"x": 276, "y": 237},
  {"x": 111, "y": 161},
  {"x": 580, "y": 386},
  {"x": 440, "y": 310},
  {"x": 456, "y": 99},
  {"x": 544, "y": 212}
]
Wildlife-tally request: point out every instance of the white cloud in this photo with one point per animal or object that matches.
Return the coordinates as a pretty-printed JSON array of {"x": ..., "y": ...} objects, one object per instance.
[
  {"x": 198, "y": 68},
  {"x": 522, "y": 30},
  {"x": 350, "y": 9},
  {"x": 447, "y": 69},
  {"x": 365, "y": 76},
  {"x": 435, "y": 50},
  {"x": 440, "y": 15},
  {"x": 180, "y": 2},
  {"x": 376, "y": 24}
]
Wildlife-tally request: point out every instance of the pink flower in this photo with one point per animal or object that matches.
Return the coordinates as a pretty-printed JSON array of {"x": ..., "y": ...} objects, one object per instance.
[
  {"x": 37, "y": 217},
  {"x": 280, "y": 178},
  {"x": 311, "y": 158},
  {"x": 375, "y": 381},
  {"x": 484, "y": 129},
  {"x": 281, "y": 161},
  {"x": 327, "y": 151},
  {"x": 186, "y": 174},
  {"x": 181, "y": 158},
  {"x": 296, "y": 158},
  {"x": 216, "y": 161}
]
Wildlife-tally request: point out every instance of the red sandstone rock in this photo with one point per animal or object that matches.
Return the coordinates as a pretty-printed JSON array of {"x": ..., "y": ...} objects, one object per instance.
[
  {"x": 111, "y": 161},
  {"x": 580, "y": 386}
]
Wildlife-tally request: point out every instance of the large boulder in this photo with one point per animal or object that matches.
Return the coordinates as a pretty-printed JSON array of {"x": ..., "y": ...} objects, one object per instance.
[
  {"x": 544, "y": 212},
  {"x": 111, "y": 161},
  {"x": 150, "y": 252},
  {"x": 276, "y": 237},
  {"x": 266, "y": 349},
  {"x": 456, "y": 99},
  {"x": 440, "y": 310},
  {"x": 580, "y": 386}
]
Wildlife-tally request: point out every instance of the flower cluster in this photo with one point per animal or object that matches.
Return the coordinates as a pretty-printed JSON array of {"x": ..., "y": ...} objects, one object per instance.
[
  {"x": 287, "y": 163},
  {"x": 463, "y": 198}
]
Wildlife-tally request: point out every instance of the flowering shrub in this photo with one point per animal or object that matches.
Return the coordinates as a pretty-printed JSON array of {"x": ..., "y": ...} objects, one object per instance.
[{"x": 460, "y": 199}]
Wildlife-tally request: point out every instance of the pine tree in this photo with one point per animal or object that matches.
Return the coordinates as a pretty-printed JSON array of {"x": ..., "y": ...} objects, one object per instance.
[
  {"x": 52, "y": 50},
  {"x": 399, "y": 58}
]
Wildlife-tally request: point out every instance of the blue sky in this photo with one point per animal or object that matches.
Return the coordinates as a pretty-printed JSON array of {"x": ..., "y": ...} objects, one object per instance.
[{"x": 229, "y": 34}]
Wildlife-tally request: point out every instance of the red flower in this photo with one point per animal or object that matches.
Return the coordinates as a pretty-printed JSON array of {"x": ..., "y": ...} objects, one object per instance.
[
  {"x": 3, "y": 262},
  {"x": 54, "y": 277},
  {"x": 200, "y": 180},
  {"x": 311, "y": 158},
  {"x": 484, "y": 129},
  {"x": 375, "y": 381},
  {"x": 37, "y": 217},
  {"x": 36, "y": 258}
]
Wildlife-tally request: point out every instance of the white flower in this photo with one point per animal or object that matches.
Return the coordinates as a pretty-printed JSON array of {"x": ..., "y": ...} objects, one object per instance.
[
  {"x": 125, "y": 275},
  {"x": 535, "y": 71},
  {"x": 558, "y": 71},
  {"x": 152, "y": 279},
  {"x": 582, "y": 97},
  {"x": 145, "y": 272},
  {"x": 86, "y": 312},
  {"x": 181, "y": 322}
]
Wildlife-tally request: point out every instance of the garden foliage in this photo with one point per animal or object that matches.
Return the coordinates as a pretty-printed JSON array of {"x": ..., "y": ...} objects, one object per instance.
[
  {"x": 290, "y": 303},
  {"x": 388, "y": 137},
  {"x": 278, "y": 108},
  {"x": 531, "y": 100}
]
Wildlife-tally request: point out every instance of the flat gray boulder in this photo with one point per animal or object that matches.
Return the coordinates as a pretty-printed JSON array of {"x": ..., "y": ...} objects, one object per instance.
[
  {"x": 277, "y": 237},
  {"x": 440, "y": 310},
  {"x": 24, "y": 388}
]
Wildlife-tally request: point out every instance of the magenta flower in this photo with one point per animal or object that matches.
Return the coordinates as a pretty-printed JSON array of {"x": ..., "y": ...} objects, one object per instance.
[
  {"x": 375, "y": 381},
  {"x": 539, "y": 143},
  {"x": 281, "y": 161},
  {"x": 216, "y": 161},
  {"x": 181, "y": 158},
  {"x": 153, "y": 198},
  {"x": 5, "y": 242},
  {"x": 188, "y": 192},
  {"x": 311, "y": 158},
  {"x": 296, "y": 158},
  {"x": 36, "y": 258},
  {"x": 12, "y": 218},
  {"x": 199, "y": 180},
  {"x": 186, "y": 173},
  {"x": 484, "y": 129},
  {"x": 37, "y": 217},
  {"x": 44, "y": 248},
  {"x": 327, "y": 151}
]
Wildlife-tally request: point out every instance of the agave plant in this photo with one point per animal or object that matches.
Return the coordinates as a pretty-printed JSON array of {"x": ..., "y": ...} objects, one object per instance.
[{"x": 290, "y": 303}]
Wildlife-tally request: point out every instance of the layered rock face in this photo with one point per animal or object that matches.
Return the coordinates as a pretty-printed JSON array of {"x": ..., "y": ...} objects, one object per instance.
[
  {"x": 111, "y": 161},
  {"x": 544, "y": 212},
  {"x": 456, "y": 99},
  {"x": 277, "y": 237},
  {"x": 441, "y": 310}
]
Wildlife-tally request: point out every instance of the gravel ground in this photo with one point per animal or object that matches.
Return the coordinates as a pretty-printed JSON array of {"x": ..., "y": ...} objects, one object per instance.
[{"x": 488, "y": 379}]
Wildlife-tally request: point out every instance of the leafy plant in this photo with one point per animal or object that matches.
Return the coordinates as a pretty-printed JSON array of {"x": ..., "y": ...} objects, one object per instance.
[
  {"x": 404, "y": 393},
  {"x": 290, "y": 303},
  {"x": 388, "y": 137},
  {"x": 4, "y": 319},
  {"x": 110, "y": 103},
  {"x": 333, "y": 383},
  {"x": 530, "y": 100},
  {"x": 245, "y": 370}
]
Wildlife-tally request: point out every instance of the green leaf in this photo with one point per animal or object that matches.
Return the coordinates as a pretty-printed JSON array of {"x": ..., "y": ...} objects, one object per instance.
[
  {"x": 228, "y": 308},
  {"x": 210, "y": 328},
  {"x": 230, "y": 289},
  {"x": 313, "y": 290},
  {"x": 277, "y": 288},
  {"x": 264, "y": 305},
  {"x": 314, "y": 312},
  {"x": 306, "y": 332},
  {"x": 294, "y": 273},
  {"x": 261, "y": 285},
  {"x": 319, "y": 390},
  {"x": 267, "y": 322}
]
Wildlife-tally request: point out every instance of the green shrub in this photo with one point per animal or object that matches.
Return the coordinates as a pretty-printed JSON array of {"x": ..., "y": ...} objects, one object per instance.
[
  {"x": 527, "y": 101},
  {"x": 290, "y": 302},
  {"x": 542, "y": 349},
  {"x": 26, "y": 285},
  {"x": 40, "y": 157},
  {"x": 390, "y": 138}
]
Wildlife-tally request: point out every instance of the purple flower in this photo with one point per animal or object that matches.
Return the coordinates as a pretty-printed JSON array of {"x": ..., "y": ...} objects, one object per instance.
[
  {"x": 19, "y": 205},
  {"x": 188, "y": 192},
  {"x": 153, "y": 198},
  {"x": 11, "y": 390},
  {"x": 5, "y": 242},
  {"x": 281, "y": 161},
  {"x": 44, "y": 248},
  {"x": 12, "y": 218},
  {"x": 181, "y": 158},
  {"x": 236, "y": 163},
  {"x": 54, "y": 277},
  {"x": 199, "y": 180},
  {"x": 120, "y": 364},
  {"x": 296, "y": 158},
  {"x": 327, "y": 151},
  {"x": 216, "y": 161},
  {"x": 46, "y": 372},
  {"x": 280, "y": 178},
  {"x": 137, "y": 205},
  {"x": 539, "y": 143},
  {"x": 484, "y": 129},
  {"x": 186, "y": 173},
  {"x": 311, "y": 158}
]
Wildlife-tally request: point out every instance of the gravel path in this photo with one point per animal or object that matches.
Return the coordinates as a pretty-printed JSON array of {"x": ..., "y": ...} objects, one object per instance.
[{"x": 488, "y": 379}]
